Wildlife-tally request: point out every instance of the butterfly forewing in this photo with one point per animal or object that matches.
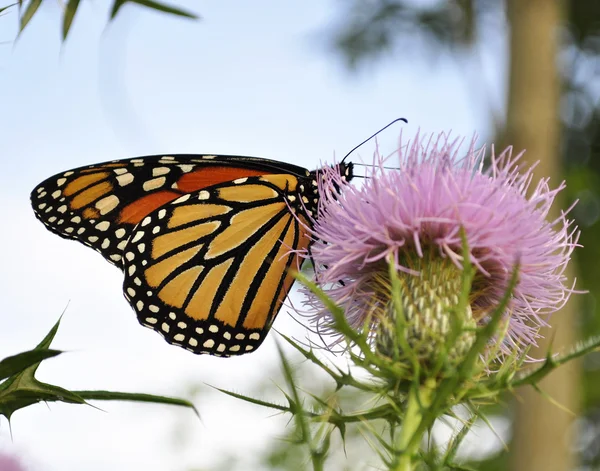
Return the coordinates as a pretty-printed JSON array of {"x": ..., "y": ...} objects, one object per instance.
[
  {"x": 99, "y": 205},
  {"x": 210, "y": 270}
]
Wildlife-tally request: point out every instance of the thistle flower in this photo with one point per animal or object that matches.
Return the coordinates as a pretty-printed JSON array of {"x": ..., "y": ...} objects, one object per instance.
[{"x": 415, "y": 218}]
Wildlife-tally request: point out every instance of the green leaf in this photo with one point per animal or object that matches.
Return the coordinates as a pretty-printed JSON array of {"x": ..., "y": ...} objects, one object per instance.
[
  {"x": 253, "y": 400},
  {"x": 70, "y": 11},
  {"x": 2, "y": 9},
  {"x": 340, "y": 377},
  {"x": 153, "y": 5},
  {"x": 12, "y": 365},
  {"x": 45, "y": 343},
  {"x": 136, "y": 397},
  {"x": 22, "y": 389},
  {"x": 28, "y": 13},
  {"x": 116, "y": 7},
  {"x": 456, "y": 440}
]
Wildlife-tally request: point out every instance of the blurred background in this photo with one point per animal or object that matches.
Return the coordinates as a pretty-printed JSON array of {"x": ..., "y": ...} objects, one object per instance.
[{"x": 297, "y": 81}]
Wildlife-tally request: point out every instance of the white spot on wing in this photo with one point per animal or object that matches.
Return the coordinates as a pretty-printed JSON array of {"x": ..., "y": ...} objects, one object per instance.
[
  {"x": 106, "y": 205},
  {"x": 158, "y": 171},
  {"x": 125, "y": 179},
  {"x": 153, "y": 184},
  {"x": 138, "y": 235},
  {"x": 182, "y": 199},
  {"x": 103, "y": 226}
]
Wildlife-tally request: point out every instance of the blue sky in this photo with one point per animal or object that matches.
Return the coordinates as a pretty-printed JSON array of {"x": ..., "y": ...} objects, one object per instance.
[{"x": 253, "y": 79}]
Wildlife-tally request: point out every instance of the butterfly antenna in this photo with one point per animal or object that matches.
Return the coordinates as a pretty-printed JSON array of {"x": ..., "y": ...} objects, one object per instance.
[{"x": 371, "y": 137}]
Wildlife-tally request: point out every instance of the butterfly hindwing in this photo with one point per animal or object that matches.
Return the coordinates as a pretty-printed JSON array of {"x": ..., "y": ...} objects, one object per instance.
[
  {"x": 209, "y": 270},
  {"x": 99, "y": 205}
]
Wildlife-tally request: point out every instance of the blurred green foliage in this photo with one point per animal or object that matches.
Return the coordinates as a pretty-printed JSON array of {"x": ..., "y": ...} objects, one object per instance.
[{"x": 28, "y": 8}]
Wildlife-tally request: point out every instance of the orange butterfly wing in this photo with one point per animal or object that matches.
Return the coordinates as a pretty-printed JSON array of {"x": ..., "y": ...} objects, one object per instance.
[
  {"x": 99, "y": 205},
  {"x": 206, "y": 242},
  {"x": 210, "y": 271}
]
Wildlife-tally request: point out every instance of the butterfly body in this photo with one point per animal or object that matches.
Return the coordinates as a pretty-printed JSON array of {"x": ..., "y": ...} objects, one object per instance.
[{"x": 205, "y": 241}]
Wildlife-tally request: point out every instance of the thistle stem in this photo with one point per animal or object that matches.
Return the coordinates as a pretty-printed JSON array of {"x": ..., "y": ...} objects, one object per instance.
[{"x": 419, "y": 399}]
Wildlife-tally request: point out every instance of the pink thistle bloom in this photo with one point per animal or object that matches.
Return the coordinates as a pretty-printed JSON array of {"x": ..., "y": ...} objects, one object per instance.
[{"x": 413, "y": 216}]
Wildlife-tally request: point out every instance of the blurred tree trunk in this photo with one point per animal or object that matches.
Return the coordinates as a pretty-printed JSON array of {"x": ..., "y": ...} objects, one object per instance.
[{"x": 540, "y": 439}]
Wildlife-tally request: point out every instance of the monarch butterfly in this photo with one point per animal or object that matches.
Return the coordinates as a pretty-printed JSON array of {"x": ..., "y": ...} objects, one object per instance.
[{"x": 203, "y": 240}]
